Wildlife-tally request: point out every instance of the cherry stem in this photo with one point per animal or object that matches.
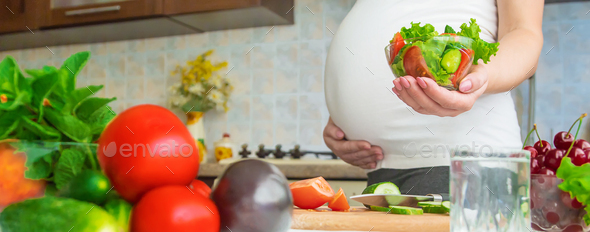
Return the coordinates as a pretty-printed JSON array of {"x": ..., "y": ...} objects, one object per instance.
[
  {"x": 536, "y": 131},
  {"x": 576, "y": 135},
  {"x": 529, "y": 134}
]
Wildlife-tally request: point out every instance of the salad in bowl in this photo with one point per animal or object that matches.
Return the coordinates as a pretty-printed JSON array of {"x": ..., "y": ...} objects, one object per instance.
[{"x": 419, "y": 51}]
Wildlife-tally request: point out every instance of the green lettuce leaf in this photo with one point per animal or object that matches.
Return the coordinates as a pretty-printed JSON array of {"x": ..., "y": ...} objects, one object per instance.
[
  {"x": 482, "y": 49},
  {"x": 416, "y": 31},
  {"x": 449, "y": 29},
  {"x": 576, "y": 181}
]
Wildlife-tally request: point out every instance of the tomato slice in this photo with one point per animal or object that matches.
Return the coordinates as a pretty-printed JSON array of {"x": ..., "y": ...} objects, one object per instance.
[
  {"x": 398, "y": 43},
  {"x": 453, "y": 34},
  {"x": 466, "y": 59},
  {"x": 311, "y": 193},
  {"x": 339, "y": 202}
]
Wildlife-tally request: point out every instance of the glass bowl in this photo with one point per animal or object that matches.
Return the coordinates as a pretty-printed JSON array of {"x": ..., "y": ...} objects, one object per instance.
[
  {"x": 551, "y": 208},
  {"x": 443, "y": 58}
]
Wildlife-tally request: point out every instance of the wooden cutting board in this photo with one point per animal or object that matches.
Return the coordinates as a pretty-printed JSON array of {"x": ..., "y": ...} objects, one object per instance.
[{"x": 361, "y": 219}]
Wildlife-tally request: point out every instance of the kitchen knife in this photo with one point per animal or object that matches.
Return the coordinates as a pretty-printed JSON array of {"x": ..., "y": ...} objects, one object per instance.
[{"x": 385, "y": 200}]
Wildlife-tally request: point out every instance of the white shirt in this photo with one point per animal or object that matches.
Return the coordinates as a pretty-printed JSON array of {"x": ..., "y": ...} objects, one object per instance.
[{"x": 358, "y": 84}]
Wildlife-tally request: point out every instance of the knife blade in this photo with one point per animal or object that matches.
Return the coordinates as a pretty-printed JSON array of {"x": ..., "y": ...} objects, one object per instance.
[{"x": 385, "y": 200}]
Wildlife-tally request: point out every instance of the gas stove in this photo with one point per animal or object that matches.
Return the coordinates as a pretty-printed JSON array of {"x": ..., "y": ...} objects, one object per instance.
[{"x": 277, "y": 153}]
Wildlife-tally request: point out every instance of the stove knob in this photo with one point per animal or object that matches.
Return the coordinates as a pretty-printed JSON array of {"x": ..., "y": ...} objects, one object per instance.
[{"x": 244, "y": 152}]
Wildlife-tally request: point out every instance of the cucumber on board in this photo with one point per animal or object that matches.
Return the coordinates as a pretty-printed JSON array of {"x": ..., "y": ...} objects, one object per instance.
[
  {"x": 54, "y": 214},
  {"x": 382, "y": 188},
  {"x": 379, "y": 208},
  {"x": 405, "y": 210}
]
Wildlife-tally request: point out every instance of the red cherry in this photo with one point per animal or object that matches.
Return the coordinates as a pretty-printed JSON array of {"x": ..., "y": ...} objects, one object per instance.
[
  {"x": 563, "y": 140},
  {"x": 583, "y": 144},
  {"x": 553, "y": 158},
  {"x": 535, "y": 166},
  {"x": 541, "y": 160},
  {"x": 546, "y": 171},
  {"x": 569, "y": 202},
  {"x": 544, "y": 149},
  {"x": 578, "y": 156},
  {"x": 533, "y": 151},
  {"x": 574, "y": 228}
]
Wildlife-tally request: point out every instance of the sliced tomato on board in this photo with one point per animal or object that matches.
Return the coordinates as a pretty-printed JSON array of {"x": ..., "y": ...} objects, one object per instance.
[
  {"x": 339, "y": 202},
  {"x": 311, "y": 193},
  {"x": 466, "y": 59},
  {"x": 398, "y": 43}
]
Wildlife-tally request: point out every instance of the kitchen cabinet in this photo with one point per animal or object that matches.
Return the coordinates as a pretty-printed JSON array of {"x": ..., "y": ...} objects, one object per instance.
[
  {"x": 61, "y": 22},
  {"x": 211, "y": 15},
  {"x": 17, "y": 15},
  {"x": 54, "y": 13}
]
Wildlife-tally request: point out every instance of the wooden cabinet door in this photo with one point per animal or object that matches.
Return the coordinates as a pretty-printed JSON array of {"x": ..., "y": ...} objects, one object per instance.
[
  {"x": 17, "y": 15},
  {"x": 59, "y": 13}
]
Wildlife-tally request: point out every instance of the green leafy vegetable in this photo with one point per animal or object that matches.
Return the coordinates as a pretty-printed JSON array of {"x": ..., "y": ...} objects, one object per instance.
[
  {"x": 69, "y": 165},
  {"x": 47, "y": 106},
  {"x": 416, "y": 31},
  {"x": 482, "y": 49},
  {"x": 576, "y": 181},
  {"x": 449, "y": 29}
]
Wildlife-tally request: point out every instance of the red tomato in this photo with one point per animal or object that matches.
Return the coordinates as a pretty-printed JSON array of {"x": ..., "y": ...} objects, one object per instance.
[
  {"x": 146, "y": 147},
  {"x": 339, "y": 202},
  {"x": 174, "y": 208},
  {"x": 398, "y": 44},
  {"x": 466, "y": 59},
  {"x": 311, "y": 193},
  {"x": 453, "y": 34},
  {"x": 200, "y": 187}
]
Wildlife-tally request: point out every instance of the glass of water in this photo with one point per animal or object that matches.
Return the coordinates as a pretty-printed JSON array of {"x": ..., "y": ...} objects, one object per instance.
[{"x": 490, "y": 190}]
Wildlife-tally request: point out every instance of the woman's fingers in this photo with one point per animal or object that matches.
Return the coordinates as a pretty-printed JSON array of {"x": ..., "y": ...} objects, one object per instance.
[
  {"x": 333, "y": 131},
  {"x": 405, "y": 96},
  {"x": 415, "y": 91}
]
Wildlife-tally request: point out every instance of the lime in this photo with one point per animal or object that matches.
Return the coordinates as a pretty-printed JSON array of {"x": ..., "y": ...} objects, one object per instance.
[
  {"x": 405, "y": 210},
  {"x": 91, "y": 186}
]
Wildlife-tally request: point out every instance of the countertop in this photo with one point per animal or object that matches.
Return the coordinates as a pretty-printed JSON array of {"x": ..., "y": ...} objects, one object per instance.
[{"x": 300, "y": 169}]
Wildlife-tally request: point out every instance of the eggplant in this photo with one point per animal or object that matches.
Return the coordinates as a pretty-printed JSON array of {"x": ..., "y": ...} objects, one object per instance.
[{"x": 253, "y": 196}]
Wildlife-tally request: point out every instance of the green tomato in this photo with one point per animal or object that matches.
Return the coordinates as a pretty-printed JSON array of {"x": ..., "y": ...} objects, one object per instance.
[
  {"x": 451, "y": 60},
  {"x": 89, "y": 185}
]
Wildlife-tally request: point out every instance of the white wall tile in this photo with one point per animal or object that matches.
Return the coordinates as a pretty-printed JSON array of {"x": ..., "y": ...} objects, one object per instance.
[{"x": 277, "y": 73}]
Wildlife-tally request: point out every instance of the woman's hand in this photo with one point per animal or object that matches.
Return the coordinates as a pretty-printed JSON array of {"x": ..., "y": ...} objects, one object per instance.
[
  {"x": 358, "y": 153},
  {"x": 427, "y": 97}
]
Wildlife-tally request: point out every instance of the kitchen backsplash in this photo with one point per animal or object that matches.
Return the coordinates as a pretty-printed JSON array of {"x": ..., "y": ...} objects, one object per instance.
[{"x": 278, "y": 73}]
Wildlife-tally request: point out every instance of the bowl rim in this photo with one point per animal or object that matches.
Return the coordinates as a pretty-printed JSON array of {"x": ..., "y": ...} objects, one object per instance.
[{"x": 436, "y": 36}]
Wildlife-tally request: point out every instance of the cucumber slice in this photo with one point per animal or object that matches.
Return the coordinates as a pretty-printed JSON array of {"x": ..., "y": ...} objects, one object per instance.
[
  {"x": 379, "y": 208},
  {"x": 446, "y": 205},
  {"x": 425, "y": 204},
  {"x": 406, "y": 210},
  {"x": 439, "y": 210},
  {"x": 382, "y": 188}
]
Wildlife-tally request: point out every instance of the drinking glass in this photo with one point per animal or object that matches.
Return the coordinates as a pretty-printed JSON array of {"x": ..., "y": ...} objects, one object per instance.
[{"x": 489, "y": 190}]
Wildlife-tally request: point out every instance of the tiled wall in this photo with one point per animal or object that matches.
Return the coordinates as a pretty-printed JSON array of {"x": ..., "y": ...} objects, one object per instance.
[
  {"x": 563, "y": 73},
  {"x": 277, "y": 73}
]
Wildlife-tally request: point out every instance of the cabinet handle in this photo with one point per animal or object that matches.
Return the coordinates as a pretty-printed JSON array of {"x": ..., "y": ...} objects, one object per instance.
[{"x": 93, "y": 10}]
